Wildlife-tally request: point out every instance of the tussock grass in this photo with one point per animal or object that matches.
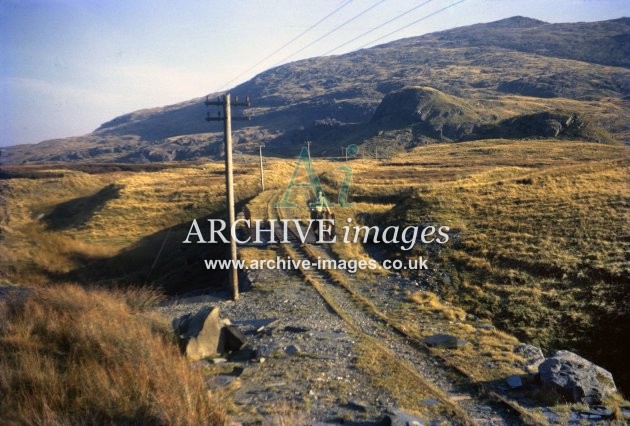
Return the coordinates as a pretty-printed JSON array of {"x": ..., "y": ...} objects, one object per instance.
[
  {"x": 427, "y": 301},
  {"x": 71, "y": 356},
  {"x": 539, "y": 237},
  {"x": 95, "y": 227},
  {"x": 539, "y": 242}
]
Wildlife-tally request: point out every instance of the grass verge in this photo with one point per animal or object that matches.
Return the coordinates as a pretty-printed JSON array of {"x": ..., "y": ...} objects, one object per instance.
[{"x": 72, "y": 356}]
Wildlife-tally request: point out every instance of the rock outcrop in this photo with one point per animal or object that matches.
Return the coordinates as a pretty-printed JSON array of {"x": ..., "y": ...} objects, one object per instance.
[
  {"x": 429, "y": 111},
  {"x": 560, "y": 125}
]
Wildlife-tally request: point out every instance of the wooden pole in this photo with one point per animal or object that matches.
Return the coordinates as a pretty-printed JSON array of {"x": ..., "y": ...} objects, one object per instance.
[
  {"x": 229, "y": 176},
  {"x": 262, "y": 170},
  {"x": 229, "y": 184}
]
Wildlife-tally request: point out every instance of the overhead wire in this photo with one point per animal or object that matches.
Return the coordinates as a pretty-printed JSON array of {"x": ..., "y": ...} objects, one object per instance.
[
  {"x": 378, "y": 27},
  {"x": 412, "y": 23},
  {"x": 355, "y": 38},
  {"x": 288, "y": 43},
  {"x": 330, "y": 32}
]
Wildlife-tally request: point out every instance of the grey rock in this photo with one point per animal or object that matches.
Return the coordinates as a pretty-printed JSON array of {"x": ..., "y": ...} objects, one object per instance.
[
  {"x": 234, "y": 339},
  {"x": 255, "y": 324},
  {"x": 529, "y": 351},
  {"x": 445, "y": 341},
  {"x": 267, "y": 350},
  {"x": 358, "y": 406},
  {"x": 533, "y": 356},
  {"x": 396, "y": 417},
  {"x": 485, "y": 326},
  {"x": 222, "y": 381},
  {"x": 295, "y": 329},
  {"x": 202, "y": 363},
  {"x": 245, "y": 354},
  {"x": 514, "y": 382},
  {"x": 576, "y": 378},
  {"x": 598, "y": 410},
  {"x": 200, "y": 334},
  {"x": 292, "y": 350}
]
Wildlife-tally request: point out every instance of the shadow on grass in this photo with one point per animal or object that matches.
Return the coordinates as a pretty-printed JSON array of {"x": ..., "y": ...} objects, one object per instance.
[
  {"x": 78, "y": 211},
  {"x": 160, "y": 260}
]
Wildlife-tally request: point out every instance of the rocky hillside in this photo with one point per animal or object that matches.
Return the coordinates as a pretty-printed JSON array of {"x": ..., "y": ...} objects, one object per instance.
[{"x": 504, "y": 69}]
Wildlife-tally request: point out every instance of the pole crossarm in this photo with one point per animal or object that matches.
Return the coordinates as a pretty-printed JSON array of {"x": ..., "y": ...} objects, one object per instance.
[{"x": 221, "y": 101}]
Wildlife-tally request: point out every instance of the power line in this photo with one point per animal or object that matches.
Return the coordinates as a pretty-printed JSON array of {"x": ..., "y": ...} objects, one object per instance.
[
  {"x": 344, "y": 24},
  {"x": 376, "y": 28},
  {"x": 413, "y": 23},
  {"x": 288, "y": 43},
  {"x": 330, "y": 32}
]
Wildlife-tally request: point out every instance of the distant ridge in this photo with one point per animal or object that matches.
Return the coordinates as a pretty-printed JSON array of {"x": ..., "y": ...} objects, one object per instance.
[{"x": 489, "y": 65}]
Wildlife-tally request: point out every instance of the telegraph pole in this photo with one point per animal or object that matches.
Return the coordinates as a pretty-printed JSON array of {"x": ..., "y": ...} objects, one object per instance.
[
  {"x": 308, "y": 149},
  {"x": 262, "y": 170},
  {"x": 229, "y": 176}
]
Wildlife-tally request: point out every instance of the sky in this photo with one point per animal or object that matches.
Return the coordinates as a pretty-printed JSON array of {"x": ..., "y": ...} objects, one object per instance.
[{"x": 66, "y": 66}]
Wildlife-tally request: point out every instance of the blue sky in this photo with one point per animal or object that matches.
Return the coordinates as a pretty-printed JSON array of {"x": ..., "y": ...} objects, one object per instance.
[{"x": 68, "y": 65}]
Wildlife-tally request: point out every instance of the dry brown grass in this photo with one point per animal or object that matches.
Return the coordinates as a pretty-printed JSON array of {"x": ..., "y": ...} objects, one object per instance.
[
  {"x": 92, "y": 226},
  {"x": 540, "y": 228},
  {"x": 427, "y": 301},
  {"x": 70, "y": 356}
]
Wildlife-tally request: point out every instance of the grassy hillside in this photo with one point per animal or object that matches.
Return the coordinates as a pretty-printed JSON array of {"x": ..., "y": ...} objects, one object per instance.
[
  {"x": 502, "y": 70},
  {"x": 104, "y": 224},
  {"x": 594, "y": 42},
  {"x": 539, "y": 242},
  {"x": 540, "y": 236}
]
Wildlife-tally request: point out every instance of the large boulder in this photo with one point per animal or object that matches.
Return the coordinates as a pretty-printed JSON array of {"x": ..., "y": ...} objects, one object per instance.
[
  {"x": 576, "y": 378},
  {"x": 200, "y": 334}
]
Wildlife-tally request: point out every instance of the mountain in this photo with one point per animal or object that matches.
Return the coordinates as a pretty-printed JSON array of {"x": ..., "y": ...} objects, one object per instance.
[{"x": 499, "y": 70}]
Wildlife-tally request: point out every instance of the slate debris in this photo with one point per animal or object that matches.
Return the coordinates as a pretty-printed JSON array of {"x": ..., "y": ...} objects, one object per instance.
[
  {"x": 242, "y": 355},
  {"x": 396, "y": 417},
  {"x": 514, "y": 382},
  {"x": 293, "y": 350},
  {"x": 445, "y": 341}
]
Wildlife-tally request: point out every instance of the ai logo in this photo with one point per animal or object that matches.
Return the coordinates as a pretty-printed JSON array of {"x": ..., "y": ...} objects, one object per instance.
[{"x": 314, "y": 184}]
